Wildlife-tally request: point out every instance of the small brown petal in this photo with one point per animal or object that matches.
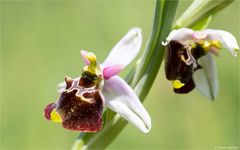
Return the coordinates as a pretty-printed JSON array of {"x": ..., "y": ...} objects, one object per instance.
[
  {"x": 48, "y": 109},
  {"x": 68, "y": 81}
]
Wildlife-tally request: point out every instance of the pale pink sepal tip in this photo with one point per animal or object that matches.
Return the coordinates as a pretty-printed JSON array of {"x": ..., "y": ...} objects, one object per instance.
[
  {"x": 84, "y": 54},
  {"x": 108, "y": 72}
]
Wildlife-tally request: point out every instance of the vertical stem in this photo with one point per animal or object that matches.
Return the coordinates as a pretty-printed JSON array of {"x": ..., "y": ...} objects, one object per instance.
[
  {"x": 145, "y": 74},
  {"x": 154, "y": 52},
  {"x": 152, "y": 41}
]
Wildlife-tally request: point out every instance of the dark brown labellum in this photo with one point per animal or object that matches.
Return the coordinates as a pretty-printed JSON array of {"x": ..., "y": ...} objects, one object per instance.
[
  {"x": 80, "y": 106},
  {"x": 181, "y": 63}
]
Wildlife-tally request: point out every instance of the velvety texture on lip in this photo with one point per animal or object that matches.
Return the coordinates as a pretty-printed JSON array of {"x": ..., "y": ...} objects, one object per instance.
[
  {"x": 80, "y": 114},
  {"x": 80, "y": 106},
  {"x": 177, "y": 69}
]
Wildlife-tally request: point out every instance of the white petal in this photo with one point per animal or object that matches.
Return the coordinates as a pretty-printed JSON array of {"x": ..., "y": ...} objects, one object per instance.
[
  {"x": 227, "y": 39},
  {"x": 62, "y": 86},
  {"x": 206, "y": 79},
  {"x": 180, "y": 35},
  {"x": 126, "y": 49},
  {"x": 121, "y": 98}
]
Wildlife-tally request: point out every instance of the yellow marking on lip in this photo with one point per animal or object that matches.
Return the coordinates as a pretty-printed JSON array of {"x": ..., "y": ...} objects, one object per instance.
[
  {"x": 55, "y": 117},
  {"x": 217, "y": 44},
  {"x": 177, "y": 84}
]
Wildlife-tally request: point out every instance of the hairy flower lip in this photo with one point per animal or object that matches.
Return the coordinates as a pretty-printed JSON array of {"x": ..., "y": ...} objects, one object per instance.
[
  {"x": 177, "y": 69},
  {"x": 76, "y": 111},
  {"x": 130, "y": 107}
]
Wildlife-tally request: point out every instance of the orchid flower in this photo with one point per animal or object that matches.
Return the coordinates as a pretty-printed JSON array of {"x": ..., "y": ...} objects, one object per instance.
[
  {"x": 83, "y": 99},
  {"x": 183, "y": 49}
]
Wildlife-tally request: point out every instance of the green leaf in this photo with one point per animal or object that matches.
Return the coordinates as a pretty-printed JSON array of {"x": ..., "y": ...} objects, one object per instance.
[
  {"x": 202, "y": 24},
  {"x": 206, "y": 79},
  {"x": 200, "y": 9}
]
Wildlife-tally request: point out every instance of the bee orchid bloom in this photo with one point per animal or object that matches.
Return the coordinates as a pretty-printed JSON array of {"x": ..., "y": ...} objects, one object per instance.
[
  {"x": 188, "y": 51},
  {"x": 83, "y": 99}
]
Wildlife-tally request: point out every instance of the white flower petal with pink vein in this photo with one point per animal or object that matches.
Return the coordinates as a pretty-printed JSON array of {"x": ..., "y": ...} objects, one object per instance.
[
  {"x": 180, "y": 35},
  {"x": 227, "y": 39},
  {"x": 125, "y": 50},
  {"x": 121, "y": 98}
]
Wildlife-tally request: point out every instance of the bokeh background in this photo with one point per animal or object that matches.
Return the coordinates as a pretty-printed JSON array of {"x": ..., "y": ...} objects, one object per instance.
[{"x": 40, "y": 43}]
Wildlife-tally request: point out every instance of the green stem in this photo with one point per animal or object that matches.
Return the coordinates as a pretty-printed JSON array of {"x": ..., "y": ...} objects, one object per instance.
[
  {"x": 145, "y": 74},
  {"x": 155, "y": 51},
  {"x": 151, "y": 44}
]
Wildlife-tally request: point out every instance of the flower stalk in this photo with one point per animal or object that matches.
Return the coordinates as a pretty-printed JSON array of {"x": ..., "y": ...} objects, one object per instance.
[
  {"x": 153, "y": 55},
  {"x": 145, "y": 74}
]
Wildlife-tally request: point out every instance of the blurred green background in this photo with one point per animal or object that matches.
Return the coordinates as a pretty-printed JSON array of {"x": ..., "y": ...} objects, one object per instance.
[{"x": 40, "y": 43}]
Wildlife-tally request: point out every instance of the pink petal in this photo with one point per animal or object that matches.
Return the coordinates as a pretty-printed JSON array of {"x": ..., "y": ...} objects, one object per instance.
[
  {"x": 108, "y": 72},
  {"x": 84, "y": 53}
]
